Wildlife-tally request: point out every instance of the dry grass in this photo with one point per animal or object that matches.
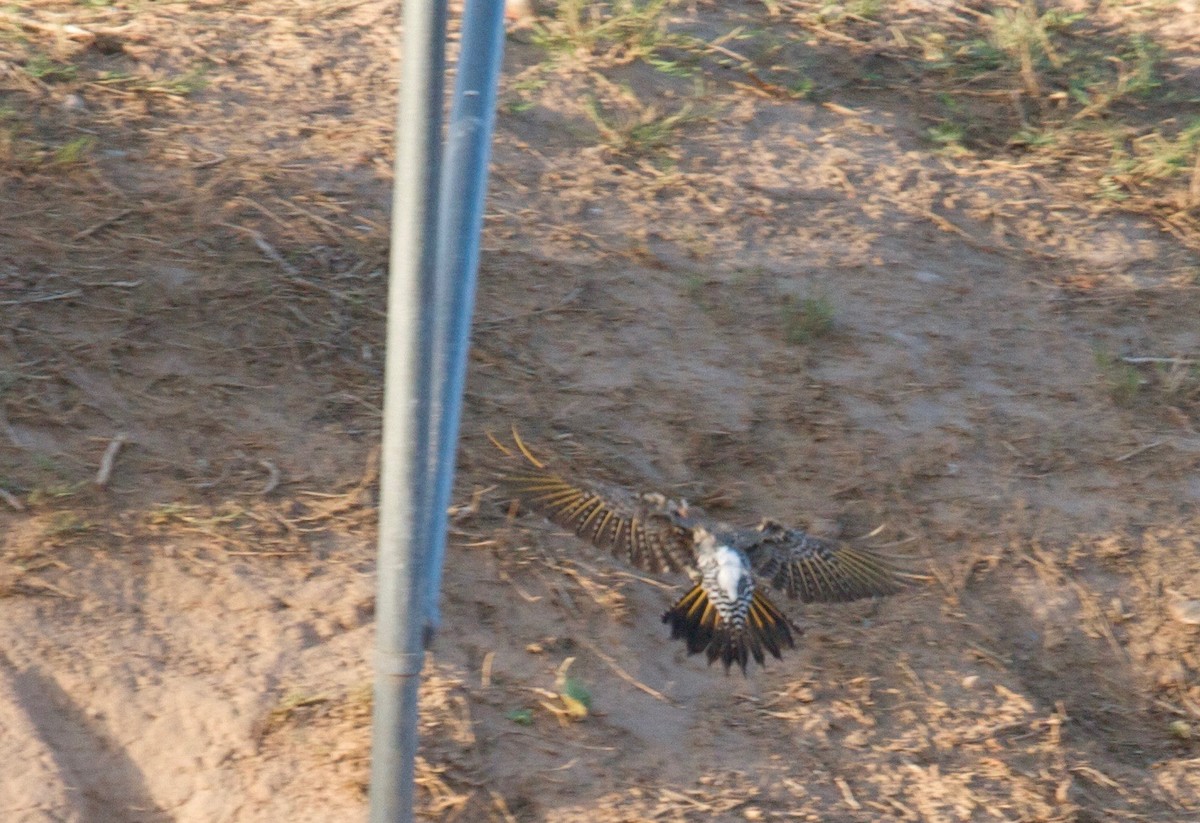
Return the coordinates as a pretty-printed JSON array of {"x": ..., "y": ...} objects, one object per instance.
[{"x": 193, "y": 219}]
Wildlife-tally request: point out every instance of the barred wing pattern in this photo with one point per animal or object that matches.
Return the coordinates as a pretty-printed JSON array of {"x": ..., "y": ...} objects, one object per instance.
[
  {"x": 724, "y": 614},
  {"x": 643, "y": 529},
  {"x": 814, "y": 569}
]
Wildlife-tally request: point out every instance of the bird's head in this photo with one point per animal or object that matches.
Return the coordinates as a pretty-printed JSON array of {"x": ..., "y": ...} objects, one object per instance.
[{"x": 771, "y": 528}]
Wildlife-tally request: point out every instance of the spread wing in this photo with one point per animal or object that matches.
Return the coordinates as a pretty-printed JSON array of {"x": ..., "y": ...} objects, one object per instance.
[
  {"x": 814, "y": 569},
  {"x": 646, "y": 530}
]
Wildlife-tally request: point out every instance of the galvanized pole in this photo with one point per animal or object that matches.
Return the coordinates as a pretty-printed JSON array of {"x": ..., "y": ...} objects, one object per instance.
[
  {"x": 405, "y": 496},
  {"x": 463, "y": 190},
  {"x": 430, "y": 299}
]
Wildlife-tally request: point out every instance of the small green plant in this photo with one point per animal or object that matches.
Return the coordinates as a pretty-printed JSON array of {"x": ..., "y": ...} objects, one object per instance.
[
  {"x": 1136, "y": 63},
  {"x": 576, "y": 697},
  {"x": 178, "y": 85},
  {"x": 644, "y": 132},
  {"x": 950, "y": 103},
  {"x": 619, "y": 30},
  {"x": 970, "y": 59},
  {"x": 1140, "y": 164},
  {"x": 181, "y": 85},
  {"x": 227, "y": 515},
  {"x": 948, "y": 136},
  {"x": 54, "y": 492},
  {"x": 41, "y": 67},
  {"x": 521, "y": 93},
  {"x": 47, "y": 464},
  {"x": 1157, "y": 157},
  {"x": 73, "y": 151},
  {"x": 806, "y": 319},
  {"x": 1142, "y": 56},
  {"x": 675, "y": 67},
  {"x": 833, "y": 12},
  {"x": 1108, "y": 188},
  {"x": 1029, "y": 137},
  {"x": 1024, "y": 35},
  {"x": 1122, "y": 381},
  {"x": 802, "y": 87},
  {"x": 63, "y": 524},
  {"x": 522, "y": 717},
  {"x": 865, "y": 9}
]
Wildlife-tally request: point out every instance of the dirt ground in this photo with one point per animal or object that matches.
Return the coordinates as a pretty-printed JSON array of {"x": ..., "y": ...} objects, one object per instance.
[{"x": 786, "y": 282}]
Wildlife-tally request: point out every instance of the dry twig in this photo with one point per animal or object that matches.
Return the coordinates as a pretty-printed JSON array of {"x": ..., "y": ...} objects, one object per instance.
[{"x": 110, "y": 456}]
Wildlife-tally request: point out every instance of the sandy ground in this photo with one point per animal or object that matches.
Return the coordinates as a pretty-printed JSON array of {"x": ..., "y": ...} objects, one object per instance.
[{"x": 191, "y": 640}]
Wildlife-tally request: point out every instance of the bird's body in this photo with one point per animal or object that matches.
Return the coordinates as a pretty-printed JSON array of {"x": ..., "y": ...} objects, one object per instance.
[
  {"x": 725, "y": 614},
  {"x": 726, "y": 575}
]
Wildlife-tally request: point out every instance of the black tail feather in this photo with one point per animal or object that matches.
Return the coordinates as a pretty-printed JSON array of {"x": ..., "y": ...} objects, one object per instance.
[{"x": 695, "y": 620}]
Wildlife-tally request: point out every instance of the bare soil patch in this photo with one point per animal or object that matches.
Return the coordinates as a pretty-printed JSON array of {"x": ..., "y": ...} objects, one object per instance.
[{"x": 825, "y": 267}]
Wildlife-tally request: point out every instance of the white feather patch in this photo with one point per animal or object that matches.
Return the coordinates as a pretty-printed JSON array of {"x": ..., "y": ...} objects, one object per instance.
[{"x": 730, "y": 571}]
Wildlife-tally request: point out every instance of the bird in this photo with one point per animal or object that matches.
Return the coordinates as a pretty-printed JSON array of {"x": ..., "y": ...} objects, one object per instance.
[{"x": 726, "y": 614}]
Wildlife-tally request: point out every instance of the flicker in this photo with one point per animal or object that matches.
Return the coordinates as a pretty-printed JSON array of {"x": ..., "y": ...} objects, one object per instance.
[{"x": 726, "y": 614}]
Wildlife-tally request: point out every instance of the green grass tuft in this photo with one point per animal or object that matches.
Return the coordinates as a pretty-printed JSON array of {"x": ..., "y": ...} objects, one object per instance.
[{"x": 806, "y": 319}]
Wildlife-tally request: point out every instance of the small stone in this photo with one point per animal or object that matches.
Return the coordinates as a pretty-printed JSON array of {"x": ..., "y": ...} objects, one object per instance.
[
  {"x": 519, "y": 12},
  {"x": 970, "y": 681},
  {"x": 1186, "y": 611},
  {"x": 1181, "y": 730}
]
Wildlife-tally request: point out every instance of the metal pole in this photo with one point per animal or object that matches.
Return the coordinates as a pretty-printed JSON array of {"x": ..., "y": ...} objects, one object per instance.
[
  {"x": 408, "y": 393},
  {"x": 463, "y": 191}
]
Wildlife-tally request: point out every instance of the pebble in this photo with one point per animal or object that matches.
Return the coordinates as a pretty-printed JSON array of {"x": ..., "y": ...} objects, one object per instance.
[{"x": 1186, "y": 611}]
